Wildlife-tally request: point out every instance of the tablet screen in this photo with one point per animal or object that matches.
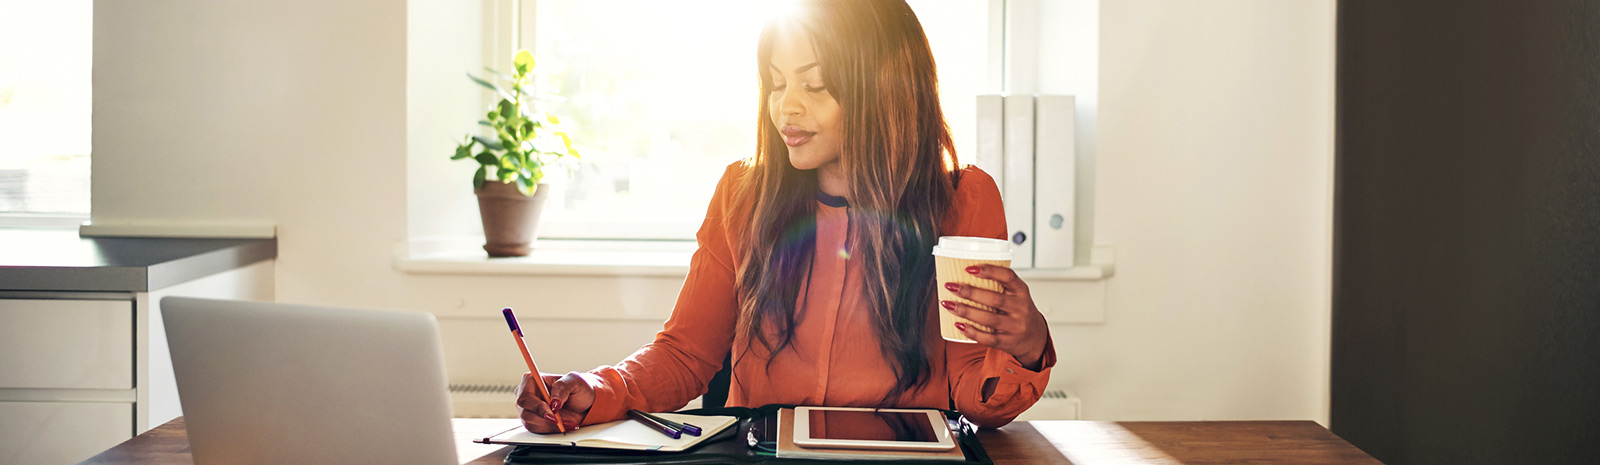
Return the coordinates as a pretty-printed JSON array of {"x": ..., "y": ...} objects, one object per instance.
[{"x": 872, "y": 426}]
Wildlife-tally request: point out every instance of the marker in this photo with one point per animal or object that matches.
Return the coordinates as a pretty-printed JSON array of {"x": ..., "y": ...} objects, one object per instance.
[
  {"x": 516, "y": 333},
  {"x": 641, "y": 417},
  {"x": 688, "y": 429}
]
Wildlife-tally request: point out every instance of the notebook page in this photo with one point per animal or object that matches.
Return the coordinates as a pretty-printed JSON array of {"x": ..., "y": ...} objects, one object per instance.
[{"x": 623, "y": 434}]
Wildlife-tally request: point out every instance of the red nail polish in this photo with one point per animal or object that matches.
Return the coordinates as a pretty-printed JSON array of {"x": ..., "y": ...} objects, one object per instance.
[
  {"x": 974, "y": 269},
  {"x": 550, "y": 417},
  {"x": 953, "y": 287},
  {"x": 948, "y": 304},
  {"x": 961, "y": 326},
  {"x": 555, "y": 404}
]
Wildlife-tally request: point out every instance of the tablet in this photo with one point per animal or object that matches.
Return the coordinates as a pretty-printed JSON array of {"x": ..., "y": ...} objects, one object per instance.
[{"x": 869, "y": 428}]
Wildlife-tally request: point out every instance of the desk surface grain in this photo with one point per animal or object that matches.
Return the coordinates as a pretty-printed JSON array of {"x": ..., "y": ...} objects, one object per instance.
[{"x": 1070, "y": 442}]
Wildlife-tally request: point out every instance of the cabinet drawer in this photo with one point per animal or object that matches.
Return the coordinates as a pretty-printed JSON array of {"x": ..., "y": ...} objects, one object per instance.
[
  {"x": 61, "y": 432},
  {"x": 71, "y": 344}
]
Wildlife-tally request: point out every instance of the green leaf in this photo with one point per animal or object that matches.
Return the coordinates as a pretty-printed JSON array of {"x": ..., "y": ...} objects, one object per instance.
[
  {"x": 509, "y": 142},
  {"x": 487, "y": 159},
  {"x": 477, "y": 178},
  {"x": 511, "y": 161},
  {"x": 489, "y": 143},
  {"x": 526, "y": 185},
  {"x": 490, "y": 86},
  {"x": 506, "y": 132},
  {"x": 507, "y": 109},
  {"x": 492, "y": 115},
  {"x": 482, "y": 122},
  {"x": 462, "y": 151},
  {"x": 523, "y": 62},
  {"x": 574, "y": 153}
]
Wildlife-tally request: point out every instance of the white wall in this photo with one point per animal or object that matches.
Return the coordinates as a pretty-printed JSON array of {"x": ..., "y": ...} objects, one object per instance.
[
  {"x": 444, "y": 42},
  {"x": 1069, "y": 48},
  {"x": 302, "y": 114},
  {"x": 290, "y": 112},
  {"x": 1213, "y": 183}
]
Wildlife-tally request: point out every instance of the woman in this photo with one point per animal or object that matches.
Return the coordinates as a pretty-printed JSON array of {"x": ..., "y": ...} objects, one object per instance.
[{"x": 814, "y": 265}]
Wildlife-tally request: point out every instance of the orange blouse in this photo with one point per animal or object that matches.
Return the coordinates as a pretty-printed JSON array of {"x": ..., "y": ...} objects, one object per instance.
[{"x": 834, "y": 359}]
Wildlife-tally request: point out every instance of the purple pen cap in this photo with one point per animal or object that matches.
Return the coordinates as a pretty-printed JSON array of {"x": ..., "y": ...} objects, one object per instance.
[
  {"x": 511, "y": 320},
  {"x": 691, "y": 429}
]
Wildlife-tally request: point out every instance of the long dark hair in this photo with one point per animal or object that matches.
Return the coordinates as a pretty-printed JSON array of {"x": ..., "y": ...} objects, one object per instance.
[{"x": 901, "y": 167}]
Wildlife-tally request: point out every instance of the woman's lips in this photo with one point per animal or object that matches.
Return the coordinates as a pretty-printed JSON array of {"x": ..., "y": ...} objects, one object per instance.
[{"x": 794, "y": 137}]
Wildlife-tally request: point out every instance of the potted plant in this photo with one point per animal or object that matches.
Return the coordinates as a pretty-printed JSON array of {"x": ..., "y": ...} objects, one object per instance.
[{"x": 509, "y": 181}]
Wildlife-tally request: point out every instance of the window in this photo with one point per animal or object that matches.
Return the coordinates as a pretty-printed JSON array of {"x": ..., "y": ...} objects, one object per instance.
[
  {"x": 45, "y": 61},
  {"x": 661, "y": 96}
]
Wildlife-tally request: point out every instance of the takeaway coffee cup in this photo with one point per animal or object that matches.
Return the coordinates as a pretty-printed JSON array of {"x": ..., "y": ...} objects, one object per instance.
[{"x": 951, "y": 257}]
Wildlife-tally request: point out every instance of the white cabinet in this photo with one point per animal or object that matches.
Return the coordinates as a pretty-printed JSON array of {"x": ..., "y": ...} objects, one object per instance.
[
  {"x": 83, "y": 354},
  {"x": 83, "y": 371},
  {"x": 61, "y": 432},
  {"x": 68, "y": 384},
  {"x": 66, "y": 344}
]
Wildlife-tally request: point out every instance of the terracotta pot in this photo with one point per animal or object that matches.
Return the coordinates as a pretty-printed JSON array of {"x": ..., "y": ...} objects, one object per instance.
[{"x": 510, "y": 219}]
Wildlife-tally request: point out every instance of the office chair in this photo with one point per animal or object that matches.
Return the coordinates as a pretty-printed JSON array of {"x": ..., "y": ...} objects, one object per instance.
[{"x": 716, "y": 395}]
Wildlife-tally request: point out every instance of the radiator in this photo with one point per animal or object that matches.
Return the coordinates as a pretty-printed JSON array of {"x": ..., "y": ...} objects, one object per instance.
[
  {"x": 1055, "y": 404},
  {"x": 484, "y": 400}
]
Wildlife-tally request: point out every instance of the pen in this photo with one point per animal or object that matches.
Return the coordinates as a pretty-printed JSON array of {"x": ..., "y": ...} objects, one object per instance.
[
  {"x": 653, "y": 424},
  {"x": 516, "y": 332},
  {"x": 688, "y": 429}
]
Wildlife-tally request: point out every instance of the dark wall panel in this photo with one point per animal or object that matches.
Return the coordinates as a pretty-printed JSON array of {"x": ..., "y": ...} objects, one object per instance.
[{"x": 1466, "y": 312}]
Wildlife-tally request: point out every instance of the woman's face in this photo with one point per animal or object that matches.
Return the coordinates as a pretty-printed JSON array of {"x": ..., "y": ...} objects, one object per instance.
[{"x": 805, "y": 114}]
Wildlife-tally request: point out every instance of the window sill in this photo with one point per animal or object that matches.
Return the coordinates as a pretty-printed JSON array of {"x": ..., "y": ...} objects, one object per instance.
[
  {"x": 628, "y": 258},
  {"x": 551, "y": 257}
]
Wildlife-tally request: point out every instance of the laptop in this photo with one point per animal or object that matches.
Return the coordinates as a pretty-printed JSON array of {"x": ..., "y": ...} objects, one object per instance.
[{"x": 274, "y": 383}]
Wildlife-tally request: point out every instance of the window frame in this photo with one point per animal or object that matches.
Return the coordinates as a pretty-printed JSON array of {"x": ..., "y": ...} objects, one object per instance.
[{"x": 31, "y": 220}]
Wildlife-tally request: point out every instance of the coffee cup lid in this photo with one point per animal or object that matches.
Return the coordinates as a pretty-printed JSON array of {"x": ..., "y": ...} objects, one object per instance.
[{"x": 973, "y": 248}]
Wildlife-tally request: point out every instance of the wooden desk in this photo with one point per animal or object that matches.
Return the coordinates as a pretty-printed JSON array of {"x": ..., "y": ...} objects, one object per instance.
[{"x": 1074, "y": 442}]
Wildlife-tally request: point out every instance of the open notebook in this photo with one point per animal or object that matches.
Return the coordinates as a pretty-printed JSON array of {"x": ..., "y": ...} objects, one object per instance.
[{"x": 621, "y": 434}]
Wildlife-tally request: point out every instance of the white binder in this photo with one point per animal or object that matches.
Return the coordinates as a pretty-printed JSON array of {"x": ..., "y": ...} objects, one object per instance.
[
  {"x": 1054, "y": 186},
  {"x": 1017, "y": 190},
  {"x": 991, "y": 123}
]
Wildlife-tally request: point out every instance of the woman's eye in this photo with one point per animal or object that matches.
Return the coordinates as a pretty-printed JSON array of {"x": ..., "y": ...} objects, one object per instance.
[{"x": 811, "y": 88}]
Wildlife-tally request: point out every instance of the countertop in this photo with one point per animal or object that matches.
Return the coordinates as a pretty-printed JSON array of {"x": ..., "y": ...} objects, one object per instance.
[{"x": 60, "y": 260}]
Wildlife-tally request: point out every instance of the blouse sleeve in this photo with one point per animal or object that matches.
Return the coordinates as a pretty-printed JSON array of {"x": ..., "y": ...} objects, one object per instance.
[
  {"x": 667, "y": 373},
  {"x": 978, "y": 212}
]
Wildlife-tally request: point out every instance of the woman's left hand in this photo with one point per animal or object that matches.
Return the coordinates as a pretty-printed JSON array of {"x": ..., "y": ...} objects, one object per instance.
[{"x": 1016, "y": 325}]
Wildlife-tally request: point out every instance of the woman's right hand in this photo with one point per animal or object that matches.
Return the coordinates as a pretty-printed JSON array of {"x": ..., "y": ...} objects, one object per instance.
[{"x": 571, "y": 394}]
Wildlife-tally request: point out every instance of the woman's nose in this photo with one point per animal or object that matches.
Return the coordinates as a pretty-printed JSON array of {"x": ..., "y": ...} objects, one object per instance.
[{"x": 789, "y": 104}]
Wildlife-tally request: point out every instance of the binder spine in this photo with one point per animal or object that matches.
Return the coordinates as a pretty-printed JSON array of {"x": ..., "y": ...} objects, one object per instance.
[
  {"x": 1018, "y": 190},
  {"x": 991, "y": 138},
  {"x": 1055, "y": 183}
]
